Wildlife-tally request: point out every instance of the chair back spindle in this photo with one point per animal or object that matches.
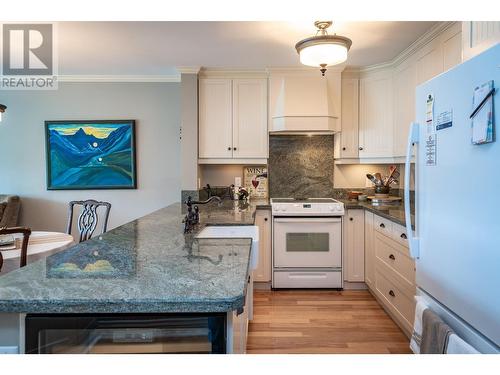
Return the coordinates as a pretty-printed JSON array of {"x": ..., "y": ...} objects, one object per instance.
[{"x": 88, "y": 218}]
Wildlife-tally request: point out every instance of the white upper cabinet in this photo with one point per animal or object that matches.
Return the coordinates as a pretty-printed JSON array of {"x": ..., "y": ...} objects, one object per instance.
[
  {"x": 232, "y": 119},
  {"x": 478, "y": 36},
  {"x": 375, "y": 115},
  {"x": 215, "y": 117},
  {"x": 405, "y": 82},
  {"x": 350, "y": 118},
  {"x": 250, "y": 118},
  {"x": 387, "y": 97}
]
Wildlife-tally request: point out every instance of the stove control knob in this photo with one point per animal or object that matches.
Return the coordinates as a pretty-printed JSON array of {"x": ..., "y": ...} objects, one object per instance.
[{"x": 331, "y": 208}]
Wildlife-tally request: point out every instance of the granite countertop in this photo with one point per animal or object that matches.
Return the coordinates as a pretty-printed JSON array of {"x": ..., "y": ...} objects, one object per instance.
[
  {"x": 395, "y": 213},
  {"x": 147, "y": 265}
]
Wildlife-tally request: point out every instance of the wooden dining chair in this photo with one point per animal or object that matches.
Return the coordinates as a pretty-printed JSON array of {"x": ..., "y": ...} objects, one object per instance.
[
  {"x": 88, "y": 218},
  {"x": 26, "y": 232}
]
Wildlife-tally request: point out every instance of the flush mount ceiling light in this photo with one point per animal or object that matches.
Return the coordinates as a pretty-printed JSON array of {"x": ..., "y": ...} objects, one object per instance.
[
  {"x": 323, "y": 50},
  {"x": 2, "y": 110}
]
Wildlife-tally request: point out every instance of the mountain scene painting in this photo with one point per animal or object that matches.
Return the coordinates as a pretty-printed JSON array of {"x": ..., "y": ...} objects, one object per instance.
[{"x": 90, "y": 154}]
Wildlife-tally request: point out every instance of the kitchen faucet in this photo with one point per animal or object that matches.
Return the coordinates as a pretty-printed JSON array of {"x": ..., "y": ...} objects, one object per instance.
[{"x": 193, "y": 215}]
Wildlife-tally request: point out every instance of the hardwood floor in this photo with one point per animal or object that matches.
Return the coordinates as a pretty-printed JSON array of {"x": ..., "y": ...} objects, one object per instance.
[{"x": 317, "y": 321}]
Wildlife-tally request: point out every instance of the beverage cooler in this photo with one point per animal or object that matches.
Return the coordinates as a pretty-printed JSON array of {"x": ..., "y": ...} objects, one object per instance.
[{"x": 125, "y": 334}]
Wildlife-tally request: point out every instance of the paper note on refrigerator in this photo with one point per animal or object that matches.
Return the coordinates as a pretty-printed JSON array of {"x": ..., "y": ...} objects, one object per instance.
[{"x": 482, "y": 122}]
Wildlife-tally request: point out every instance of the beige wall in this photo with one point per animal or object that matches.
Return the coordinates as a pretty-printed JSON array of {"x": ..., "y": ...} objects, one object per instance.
[
  {"x": 354, "y": 175},
  {"x": 189, "y": 131},
  {"x": 220, "y": 175}
]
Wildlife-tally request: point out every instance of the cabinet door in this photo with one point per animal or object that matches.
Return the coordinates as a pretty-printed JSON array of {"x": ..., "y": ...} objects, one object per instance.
[
  {"x": 369, "y": 251},
  {"x": 350, "y": 129},
  {"x": 250, "y": 118},
  {"x": 355, "y": 246},
  {"x": 263, "y": 270},
  {"x": 405, "y": 83},
  {"x": 215, "y": 116},
  {"x": 478, "y": 36},
  {"x": 375, "y": 127}
]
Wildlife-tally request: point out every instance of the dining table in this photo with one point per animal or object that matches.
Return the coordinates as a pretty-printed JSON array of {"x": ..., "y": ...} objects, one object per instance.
[{"x": 41, "y": 244}]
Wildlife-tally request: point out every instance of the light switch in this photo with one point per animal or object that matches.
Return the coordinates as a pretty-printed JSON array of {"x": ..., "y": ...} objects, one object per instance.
[{"x": 237, "y": 181}]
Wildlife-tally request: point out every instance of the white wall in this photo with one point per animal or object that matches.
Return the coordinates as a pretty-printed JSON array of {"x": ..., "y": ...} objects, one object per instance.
[{"x": 154, "y": 106}]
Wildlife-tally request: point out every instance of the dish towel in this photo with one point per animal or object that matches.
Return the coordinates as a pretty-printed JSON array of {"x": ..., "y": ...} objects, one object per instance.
[
  {"x": 435, "y": 333},
  {"x": 416, "y": 336},
  {"x": 458, "y": 346}
]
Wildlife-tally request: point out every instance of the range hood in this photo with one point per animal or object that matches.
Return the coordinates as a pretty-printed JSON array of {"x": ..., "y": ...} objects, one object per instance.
[{"x": 305, "y": 103}]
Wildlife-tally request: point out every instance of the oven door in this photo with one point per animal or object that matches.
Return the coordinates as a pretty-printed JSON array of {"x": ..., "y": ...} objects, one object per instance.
[{"x": 307, "y": 242}]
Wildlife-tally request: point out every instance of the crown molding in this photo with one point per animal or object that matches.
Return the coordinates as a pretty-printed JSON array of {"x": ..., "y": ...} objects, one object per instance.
[
  {"x": 188, "y": 69},
  {"x": 228, "y": 73},
  {"x": 430, "y": 35},
  {"x": 119, "y": 78}
]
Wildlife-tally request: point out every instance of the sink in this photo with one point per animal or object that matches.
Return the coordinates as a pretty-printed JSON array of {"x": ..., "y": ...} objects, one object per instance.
[{"x": 235, "y": 231}]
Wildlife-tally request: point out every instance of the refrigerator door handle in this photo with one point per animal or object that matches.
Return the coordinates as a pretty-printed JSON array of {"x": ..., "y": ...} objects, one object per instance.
[{"x": 412, "y": 240}]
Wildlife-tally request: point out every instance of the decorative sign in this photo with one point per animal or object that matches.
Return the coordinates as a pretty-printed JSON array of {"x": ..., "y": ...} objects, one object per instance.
[{"x": 255, "y": 180}]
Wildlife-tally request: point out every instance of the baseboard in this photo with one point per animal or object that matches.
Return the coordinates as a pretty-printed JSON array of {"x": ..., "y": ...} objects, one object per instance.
[
  {"x": 354, "y": 286},
  {"x": 262, "y": 285}
]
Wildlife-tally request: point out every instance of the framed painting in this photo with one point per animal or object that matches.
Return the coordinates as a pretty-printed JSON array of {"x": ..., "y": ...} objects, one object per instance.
[{"x": 90, "y": 155}]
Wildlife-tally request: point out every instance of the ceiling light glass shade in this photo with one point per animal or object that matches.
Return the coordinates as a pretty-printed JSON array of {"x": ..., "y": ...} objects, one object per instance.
[{"x": 323, "y": 50}]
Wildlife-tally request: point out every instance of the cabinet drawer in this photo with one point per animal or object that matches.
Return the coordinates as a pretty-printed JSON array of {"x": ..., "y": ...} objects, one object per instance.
[
  {"x": 382, "y": 225},
  {"x": 399, "y": 234},
  {"x": 394, "y": 256},
  {"x": 398, "y": 302}
]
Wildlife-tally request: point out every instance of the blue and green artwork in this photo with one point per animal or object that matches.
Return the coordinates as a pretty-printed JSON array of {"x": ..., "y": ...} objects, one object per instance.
[{"x": 90, "y": 154}]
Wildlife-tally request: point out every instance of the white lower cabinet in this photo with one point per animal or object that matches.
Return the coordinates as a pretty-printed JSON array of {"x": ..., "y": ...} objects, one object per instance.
[
  {"x": 369, "y": 250},
  {"x": 354, "y": 246},
  {"x": 263, "y": 271},
  {"x": 389, "y": 269}
]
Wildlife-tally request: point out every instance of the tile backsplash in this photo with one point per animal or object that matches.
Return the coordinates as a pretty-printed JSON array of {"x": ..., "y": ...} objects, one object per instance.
[{"x": 301, "y": 166}]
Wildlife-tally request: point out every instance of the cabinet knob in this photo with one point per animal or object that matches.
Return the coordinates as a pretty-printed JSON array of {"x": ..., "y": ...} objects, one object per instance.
[
  {"x": 403, "y": 236},
  {"x": 392, "y": 257},
  {"x": 229, "y": 148},
  {"x": 391, "y": 293},
  {"x": 234, "y": 148},
  {"x": 382, "y": 225},
  {"x": 351, "y": 219},
  {"x": 265, "y": 219},
  {"x": 343, "y": 148},
  {"x": 361, "y": 149}
]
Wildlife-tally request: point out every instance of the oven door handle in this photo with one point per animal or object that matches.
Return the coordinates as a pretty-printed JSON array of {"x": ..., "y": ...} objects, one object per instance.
[{"x": 307, "y": 220}]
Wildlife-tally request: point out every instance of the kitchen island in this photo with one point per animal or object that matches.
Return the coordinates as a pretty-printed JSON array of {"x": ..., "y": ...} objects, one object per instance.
[{"x": 145, "y": 269}]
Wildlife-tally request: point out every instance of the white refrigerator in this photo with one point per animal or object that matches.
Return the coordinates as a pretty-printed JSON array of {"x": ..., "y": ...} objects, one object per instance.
[{"x": 456, "y": 241}]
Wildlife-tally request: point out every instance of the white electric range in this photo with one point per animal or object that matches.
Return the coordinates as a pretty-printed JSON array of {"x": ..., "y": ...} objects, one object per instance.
[{"x": 307, "y": 243}]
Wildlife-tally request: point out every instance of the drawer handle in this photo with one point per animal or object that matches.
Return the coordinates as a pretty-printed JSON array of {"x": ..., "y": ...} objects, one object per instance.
[
  {"x": 391, "y": 293},
  {"x": 403, "y": 236},
  {"x": 382, "y": 225},
  {"x": 392, "y": 257}
]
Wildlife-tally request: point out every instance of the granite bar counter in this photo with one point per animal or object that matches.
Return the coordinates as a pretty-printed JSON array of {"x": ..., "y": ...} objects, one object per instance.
[{"x": 145, "y": 266}]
